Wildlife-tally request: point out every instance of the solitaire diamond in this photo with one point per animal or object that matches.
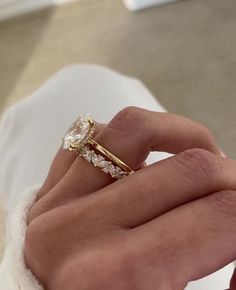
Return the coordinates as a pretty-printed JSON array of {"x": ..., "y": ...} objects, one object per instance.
[{"x": 78, "y": 133}]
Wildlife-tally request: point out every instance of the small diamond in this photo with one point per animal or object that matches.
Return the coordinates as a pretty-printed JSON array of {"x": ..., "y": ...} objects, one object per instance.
[
  {"x": 106, "y": 167},
  {"x": 119, "y": 173},
  {"x": 100, "y": 161},
  {"x": 103, "y": 163},
  {"x": 111, "y": 169},
  {"x": 95, "y": 159},
  {"x": 88, "y": 155},
  {"x": 118, "y": 169}
]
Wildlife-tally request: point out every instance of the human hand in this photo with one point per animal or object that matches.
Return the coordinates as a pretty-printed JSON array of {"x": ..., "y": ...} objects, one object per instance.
[{"x": 166, "y": 225}]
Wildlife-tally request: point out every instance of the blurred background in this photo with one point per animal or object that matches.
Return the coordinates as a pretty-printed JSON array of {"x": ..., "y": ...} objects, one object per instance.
[{"x": 184, "y": 52}]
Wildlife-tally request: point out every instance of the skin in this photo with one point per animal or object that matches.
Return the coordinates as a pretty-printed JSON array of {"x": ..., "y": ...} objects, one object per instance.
[{"x": 163, "y": 226}]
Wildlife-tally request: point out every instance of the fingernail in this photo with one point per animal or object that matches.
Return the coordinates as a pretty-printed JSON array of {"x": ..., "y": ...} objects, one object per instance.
[{"x": 222, "y": 154}]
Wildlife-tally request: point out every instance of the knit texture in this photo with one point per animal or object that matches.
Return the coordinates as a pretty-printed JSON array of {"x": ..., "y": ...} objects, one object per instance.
[{"x": 13, "y": 271}]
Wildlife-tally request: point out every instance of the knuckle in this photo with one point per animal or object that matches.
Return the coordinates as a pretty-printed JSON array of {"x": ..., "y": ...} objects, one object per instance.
[
  {"x": 33, "y": 243},
  {"x": 41, "y": 238},
  {"x": 207, "y": 136},
  {"x": 35, "y": 211},
  {"x": 127, "y": 119},
  {"x": 42, "y": 191},
  {"x": 205, "y": 131},
  {"x": 127, "y": 268},
  {"x": 37, "y": 231},
  {"x": 39, "y": 241},
  {"x": 226, "y": 201},
  {"x": 115, "y": 270},
  {"x": 201, "y": 163}
]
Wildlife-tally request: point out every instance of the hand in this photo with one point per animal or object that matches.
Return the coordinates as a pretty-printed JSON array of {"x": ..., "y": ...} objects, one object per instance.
[{"x": 167, "y": 224}]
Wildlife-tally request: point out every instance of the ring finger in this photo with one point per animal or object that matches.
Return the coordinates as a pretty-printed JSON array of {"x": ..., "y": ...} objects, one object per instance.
[{"x": 131, "y": 136}]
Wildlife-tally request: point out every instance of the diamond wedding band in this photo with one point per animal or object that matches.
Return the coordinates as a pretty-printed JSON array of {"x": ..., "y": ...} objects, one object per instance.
[{"x": 79, "y": 138}]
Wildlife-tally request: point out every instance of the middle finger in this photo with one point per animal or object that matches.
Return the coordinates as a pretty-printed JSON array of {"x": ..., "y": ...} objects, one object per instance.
[{"x": 164, "y": 186}]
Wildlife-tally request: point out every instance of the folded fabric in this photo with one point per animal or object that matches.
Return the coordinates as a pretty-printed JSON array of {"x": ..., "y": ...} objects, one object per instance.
[{"x": 14, "y": 274}]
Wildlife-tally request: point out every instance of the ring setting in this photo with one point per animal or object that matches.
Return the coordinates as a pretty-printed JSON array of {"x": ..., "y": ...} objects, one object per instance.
[
  {"x": 79, "y": 138},
  {"x": 79, "y": 133}
]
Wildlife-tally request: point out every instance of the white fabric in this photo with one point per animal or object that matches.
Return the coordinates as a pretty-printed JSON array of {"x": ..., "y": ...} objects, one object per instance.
[
  {"x": 31, "y": 134},
  {"x": 13, "y": 272},
  {"x": 141, "y": 4}
]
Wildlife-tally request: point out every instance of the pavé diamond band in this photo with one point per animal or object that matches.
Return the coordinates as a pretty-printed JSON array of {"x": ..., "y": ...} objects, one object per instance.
[{"x": 79, "y": 139}]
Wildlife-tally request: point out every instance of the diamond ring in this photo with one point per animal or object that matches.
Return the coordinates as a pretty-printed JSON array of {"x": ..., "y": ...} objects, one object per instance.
[{"x": 79, "y": 138}]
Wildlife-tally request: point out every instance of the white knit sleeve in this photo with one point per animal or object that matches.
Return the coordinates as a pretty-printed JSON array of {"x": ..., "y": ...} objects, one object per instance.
[{"x": 13, "y": 273}]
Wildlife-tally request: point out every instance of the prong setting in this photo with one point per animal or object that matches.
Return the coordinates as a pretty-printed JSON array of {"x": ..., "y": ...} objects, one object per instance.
[{"x": 79, "y": 138}]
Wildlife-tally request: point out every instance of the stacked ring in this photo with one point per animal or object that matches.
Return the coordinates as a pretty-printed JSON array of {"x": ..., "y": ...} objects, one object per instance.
[{"x": 79, "y": 138}]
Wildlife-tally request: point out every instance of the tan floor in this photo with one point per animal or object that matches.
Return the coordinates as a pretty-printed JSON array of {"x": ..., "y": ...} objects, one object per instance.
[{"x": 184, "y": 53}]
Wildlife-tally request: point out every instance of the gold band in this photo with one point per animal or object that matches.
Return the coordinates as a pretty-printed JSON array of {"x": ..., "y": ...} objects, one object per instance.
[{"x": 110, "y": 156}]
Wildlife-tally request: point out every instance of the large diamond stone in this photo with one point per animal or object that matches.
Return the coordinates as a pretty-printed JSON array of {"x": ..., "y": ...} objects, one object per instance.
[{"x": 77, "y": 133}]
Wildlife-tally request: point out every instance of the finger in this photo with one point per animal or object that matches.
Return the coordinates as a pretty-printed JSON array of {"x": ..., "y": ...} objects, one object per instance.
[
  {"x": 60, "y": 165},
  {"x": 191, "y": 241},
  {"x": 134, "y": 133},
  {"x": 131, "y": 135},
  {"x": 163, "y": 186}
]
